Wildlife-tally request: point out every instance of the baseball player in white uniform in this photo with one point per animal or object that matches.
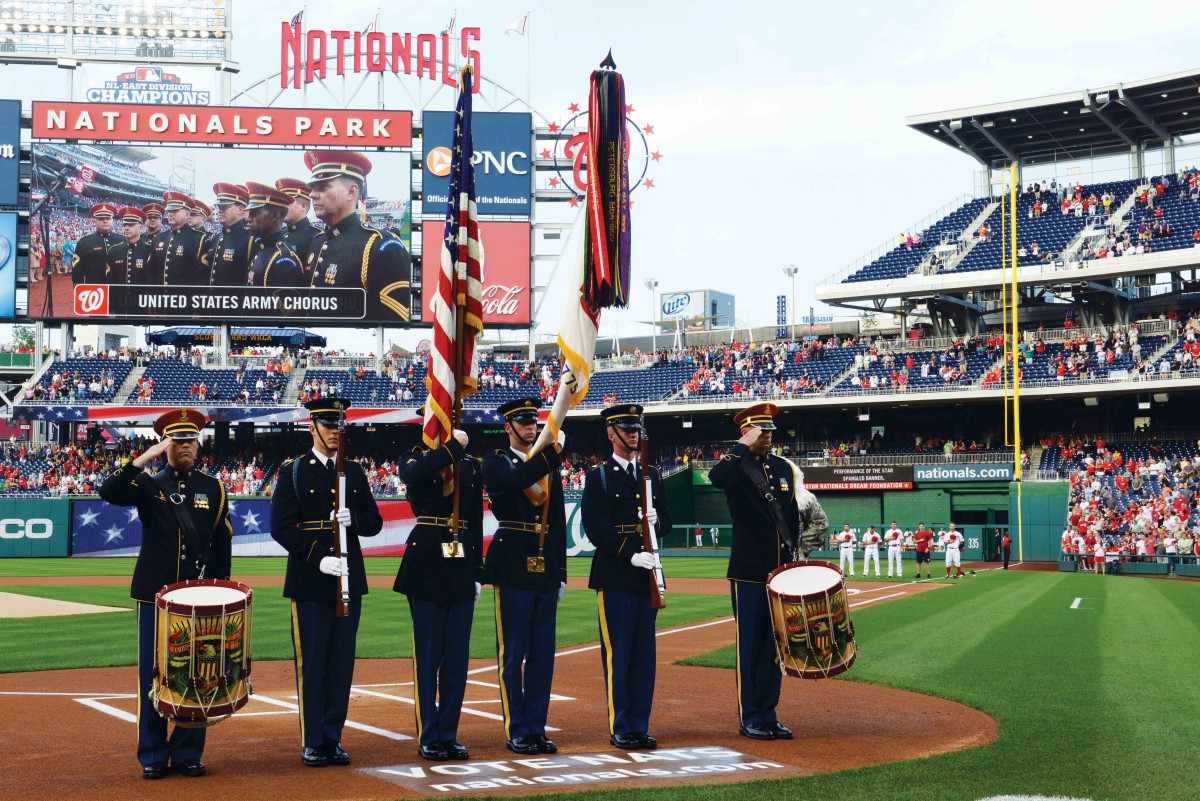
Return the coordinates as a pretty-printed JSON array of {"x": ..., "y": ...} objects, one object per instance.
[
  {"x": 895, "y": 543},
  {"x": 871, "y": 542},
  {"x": 953, "y": 540},
  {"x": 846, "y": 540}
]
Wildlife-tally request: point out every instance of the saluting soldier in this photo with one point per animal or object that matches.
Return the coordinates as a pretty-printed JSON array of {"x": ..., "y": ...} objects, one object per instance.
[
  {"x": 770, "y": 529},
  {"x": 184, "y": 260},
  {"x": 275, "y": 263},
  {"x": 129, "y": 261},
  {"x": 89, "y": 265},
  {"x": 527, "y": 565},
  {"x": 611, "y": 511},
  {"x": 350, "y": 253},
  {"x": 442, "y": 574},
  {"x": 298, "y": 230},
  {"x": 186, "y": 535},
  {"x": 304, "y": 521},
  {"x": 232, "y": 249}
]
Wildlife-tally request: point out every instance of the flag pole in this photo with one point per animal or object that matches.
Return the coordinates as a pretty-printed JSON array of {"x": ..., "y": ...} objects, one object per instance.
[{"x": 459, "y": 286}]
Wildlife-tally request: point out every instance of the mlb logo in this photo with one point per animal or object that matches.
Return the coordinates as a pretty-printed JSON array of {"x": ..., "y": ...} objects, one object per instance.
[
  {"x": 91, "y": 299},
  {"x": 148, "y": 74}
]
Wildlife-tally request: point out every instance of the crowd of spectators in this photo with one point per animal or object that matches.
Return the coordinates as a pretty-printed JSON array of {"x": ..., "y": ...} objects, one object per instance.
[{"x": 1141, "y": 505}]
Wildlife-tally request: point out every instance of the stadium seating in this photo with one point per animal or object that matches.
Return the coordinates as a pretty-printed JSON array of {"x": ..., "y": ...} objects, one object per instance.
[
  {"x": 173, "y": 382},
  {"x": 977, "y": 364},
  {"x": 901, "y": 260},
  {"x": 1183, "y": 215},
  {"x": 1052, "y": 231},
  {"x": 86, "y": 369},
  {"x": 372, "y": 389},
  {"x": 645, "y": 385}
]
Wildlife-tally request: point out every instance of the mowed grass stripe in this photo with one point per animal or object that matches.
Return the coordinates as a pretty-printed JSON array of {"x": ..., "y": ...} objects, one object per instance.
[
  {"x": 107, "y": 639},
  {"x": 1086, "y": 708}
]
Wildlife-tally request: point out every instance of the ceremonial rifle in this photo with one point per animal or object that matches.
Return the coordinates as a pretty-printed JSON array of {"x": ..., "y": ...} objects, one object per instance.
[
  {"x": 340, "y": 540},
  {"x": 658, "y": 582}
]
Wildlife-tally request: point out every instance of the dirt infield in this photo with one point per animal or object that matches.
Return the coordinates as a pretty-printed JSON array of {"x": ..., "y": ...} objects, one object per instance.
[{"x": 81, "y": 743}]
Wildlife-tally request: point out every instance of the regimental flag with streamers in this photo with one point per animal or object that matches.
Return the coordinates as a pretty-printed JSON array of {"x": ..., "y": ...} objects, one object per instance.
[
  {"x": 457, "y": 305},
  {"x": 601, "y": 269}
]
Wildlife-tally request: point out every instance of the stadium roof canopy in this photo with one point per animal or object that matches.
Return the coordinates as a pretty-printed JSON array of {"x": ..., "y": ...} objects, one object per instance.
[
  {"x": 285, "y": 337},
  {"x": 1105, "y": 121}
]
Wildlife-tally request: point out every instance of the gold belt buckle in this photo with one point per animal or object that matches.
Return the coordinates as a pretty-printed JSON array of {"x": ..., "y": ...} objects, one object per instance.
[
  {"x": 453, "y": 550},
  {"x": 637, "y": 529},
  {"x": 535, "y": 564}
]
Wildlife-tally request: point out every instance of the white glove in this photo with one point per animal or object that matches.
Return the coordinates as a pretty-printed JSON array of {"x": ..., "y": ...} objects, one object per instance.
[
  {"x": 341, "y": 516},
  {"x": 478, "y": 591},
  {"x": 335, "y": 566},
  {"x": 461, "y": 436},
  {"x": 643, "y": 560},
  {"x": 653, "y": 516},
  {"x": 562, "y": 438},
  {"x": 562, "y": 590}
]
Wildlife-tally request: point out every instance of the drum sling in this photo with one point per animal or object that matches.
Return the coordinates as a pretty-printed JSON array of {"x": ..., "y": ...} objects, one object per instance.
[{"x": 758, "y": 478}]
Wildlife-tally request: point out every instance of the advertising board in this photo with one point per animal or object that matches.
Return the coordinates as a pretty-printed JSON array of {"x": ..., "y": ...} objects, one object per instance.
[
  {"x": 503, "y": 174},
  {"x": 855, "y": 477},
  {"x": 506, "y": 294},
  {"x": 10, "y": 151}
]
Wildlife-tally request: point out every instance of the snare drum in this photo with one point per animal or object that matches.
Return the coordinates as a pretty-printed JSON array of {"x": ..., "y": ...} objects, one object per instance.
[
  {"x": 814, "y": 637},
  {"x": 202, "y": 651}
]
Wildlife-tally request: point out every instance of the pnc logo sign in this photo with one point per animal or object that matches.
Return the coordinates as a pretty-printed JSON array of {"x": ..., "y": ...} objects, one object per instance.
[
  {"x": 36, "y": 528},
  {"x": 514, "y": 163},
  {"x": 91, "y": 299}
]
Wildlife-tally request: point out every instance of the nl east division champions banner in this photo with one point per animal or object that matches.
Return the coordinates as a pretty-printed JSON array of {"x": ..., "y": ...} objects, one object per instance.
[{"x": 129, "y": 155}]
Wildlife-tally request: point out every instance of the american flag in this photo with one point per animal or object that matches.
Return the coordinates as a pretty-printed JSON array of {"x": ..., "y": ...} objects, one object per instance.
[
  {"x": 460, "y": 284},
  {"x": 298, "y": 19}
]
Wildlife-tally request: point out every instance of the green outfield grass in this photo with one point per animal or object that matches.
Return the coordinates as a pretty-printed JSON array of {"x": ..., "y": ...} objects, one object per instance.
[
  {"x": 106, "y": 639},
  {"x": 1098, "y": 702},
  {"x": 679, "y": 566}
]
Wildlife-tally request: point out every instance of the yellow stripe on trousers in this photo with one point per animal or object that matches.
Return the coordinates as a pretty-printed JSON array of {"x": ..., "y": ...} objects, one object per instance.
[
  {"x": 608, "y": 662},
  {"x": 299, "y": 668},
  {"x": 416, "y": 686},
  {"x": 138, "y": 621},
  {"x": 737, "y": 643},
  {"x": 500, "y": 664}
]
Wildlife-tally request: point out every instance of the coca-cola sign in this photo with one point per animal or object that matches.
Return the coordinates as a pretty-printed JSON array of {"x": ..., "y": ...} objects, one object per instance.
[{"x": 506, "y": 270}]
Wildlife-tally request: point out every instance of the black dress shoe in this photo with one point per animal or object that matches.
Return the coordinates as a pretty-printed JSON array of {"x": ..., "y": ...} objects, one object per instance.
[
  {"x": 435, "y": 752},
  {"x": 522, "y": 745},
  {"x": 781, "y": 732},
  {"x": 191, "y": 767},
  {"x": 156, "y": 771},
  {"x": 757, "y": 731},
  {"x": 646, "y": 741},
  {"x": 629, "y": 742},
  {"x": 545, "y": 746},
  {"x": 314, "y": 758},
  {"x": 336, "y": 755},
  {"x": 456, "y": 750}
]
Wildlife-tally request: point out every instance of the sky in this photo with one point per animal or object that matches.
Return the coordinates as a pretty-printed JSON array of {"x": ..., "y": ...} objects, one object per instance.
[{"x": 781, "y": 128}]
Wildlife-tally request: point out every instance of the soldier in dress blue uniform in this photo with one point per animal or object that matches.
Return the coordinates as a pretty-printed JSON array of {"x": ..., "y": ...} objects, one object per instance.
[
  {"x": 298, "y": 230},
  {"x": 611, "y": 510},
  {"x": 171, "y": 552},
  {"x": 129, "y": 260},
  {"x": 303, "y": 521},
  {"x": 760, "y": 489},
  {"x": 350, "y": 253},
  {"x": 89, "y": 265},
  {"x": 275, "y": 263},
  {"x": 527, "y": 565},
  {"x": 184, "y": 257},
  {"x": 442, "y": 576},
  {"x": 232, "y": 249},
  {"x": 156, "y": 237}
]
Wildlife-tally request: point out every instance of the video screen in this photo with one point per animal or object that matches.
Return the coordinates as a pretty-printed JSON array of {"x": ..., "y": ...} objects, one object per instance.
[{"x": 214, "y": 261}]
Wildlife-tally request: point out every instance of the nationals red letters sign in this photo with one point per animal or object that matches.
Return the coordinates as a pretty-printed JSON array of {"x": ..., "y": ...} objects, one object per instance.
[
  {"x": 506, "y": 270},
  {"x": 318, "y": 128}
]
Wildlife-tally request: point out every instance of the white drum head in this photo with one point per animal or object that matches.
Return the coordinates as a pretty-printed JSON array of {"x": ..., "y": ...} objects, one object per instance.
[
  {"x": 804, "y": 580},
  {"x": 204, "y": 596}
]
